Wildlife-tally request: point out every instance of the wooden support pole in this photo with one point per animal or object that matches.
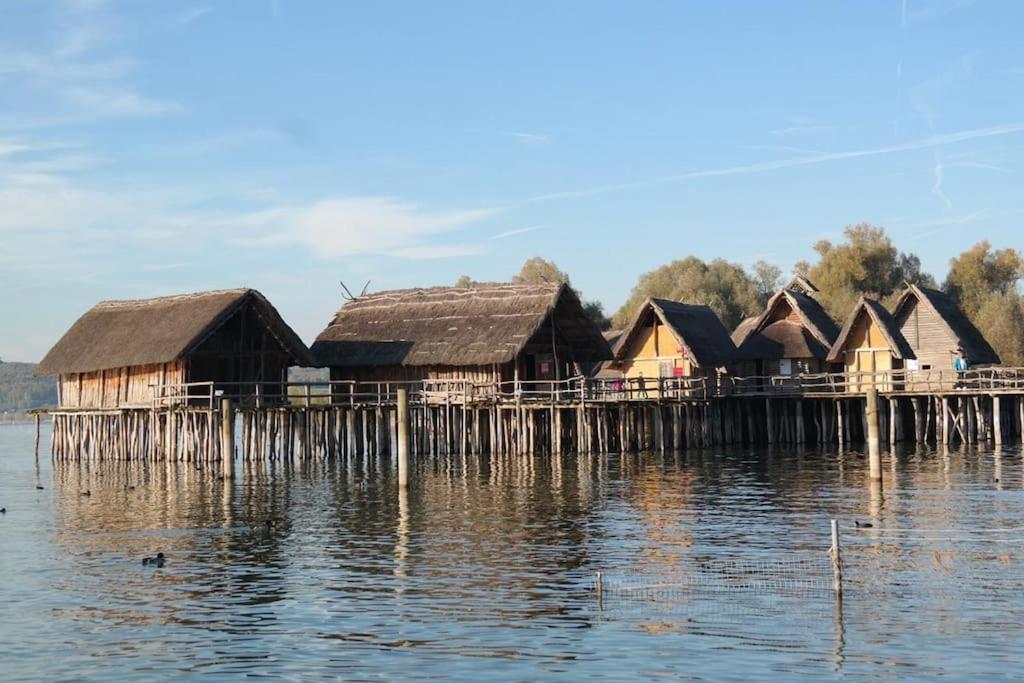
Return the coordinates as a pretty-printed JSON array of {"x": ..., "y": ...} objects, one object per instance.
[
  {"x": 874, "y": 451},
  {"x": 227, "y": 437},
  {"x": 997, "y": 422},
  {"x": 403, "y": 438},
  {"x": 837, "y": 562}
]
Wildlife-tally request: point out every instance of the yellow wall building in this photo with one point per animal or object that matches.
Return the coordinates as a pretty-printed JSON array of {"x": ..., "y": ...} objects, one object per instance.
[{"x": 870, "y": 347}]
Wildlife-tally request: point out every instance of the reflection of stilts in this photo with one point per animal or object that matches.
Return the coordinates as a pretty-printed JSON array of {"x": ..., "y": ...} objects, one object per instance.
[
  {"x": 402, "y": 541},
  {"x": 877, "y": 499},
  {"x": 840, "y": 647}
]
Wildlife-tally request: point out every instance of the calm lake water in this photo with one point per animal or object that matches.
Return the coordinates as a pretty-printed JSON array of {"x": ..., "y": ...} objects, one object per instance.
[{"x": 487, "y": 568}]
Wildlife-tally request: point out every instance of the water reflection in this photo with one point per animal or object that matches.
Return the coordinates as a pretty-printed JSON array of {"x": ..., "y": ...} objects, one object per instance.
[{"x": 485, "y": 565}]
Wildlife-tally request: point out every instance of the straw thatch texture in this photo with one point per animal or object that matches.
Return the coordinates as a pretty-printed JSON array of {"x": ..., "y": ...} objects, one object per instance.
[
  {"x": 455, "y": 326},
  {"x": 695, "y": 327},
  {"x": 886, "y": 324},
  {"x": 815, "y": 336},
  {"x": 120, "y": 334},
  {"x": 954, "y": 323}
]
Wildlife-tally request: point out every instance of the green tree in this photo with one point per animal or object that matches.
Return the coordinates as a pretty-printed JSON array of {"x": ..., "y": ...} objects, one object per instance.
[
  {"x": 538, "y": 270},
  {"x": 980, "y": 273},
  {"x": 730, "y": 292},
  {"x": 766, "y": 279},
  {"x": 1001, "y": 320},
  {"x": 867, "y": 264},
  {"x": 465, "y": 281}
]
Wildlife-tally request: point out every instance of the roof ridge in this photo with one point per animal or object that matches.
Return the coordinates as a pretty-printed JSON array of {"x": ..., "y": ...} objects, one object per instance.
[{"x": 186, "y": 296}]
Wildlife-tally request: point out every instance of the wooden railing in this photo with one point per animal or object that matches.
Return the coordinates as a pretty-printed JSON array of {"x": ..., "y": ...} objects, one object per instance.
[{"x": 584, "y": 390}]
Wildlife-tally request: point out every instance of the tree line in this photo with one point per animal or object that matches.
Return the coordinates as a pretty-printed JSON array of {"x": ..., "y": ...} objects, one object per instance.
[{"x": 982, "y": 280}]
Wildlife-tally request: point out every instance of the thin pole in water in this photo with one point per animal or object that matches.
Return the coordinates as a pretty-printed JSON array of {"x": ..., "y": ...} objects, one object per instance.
[
  {"x": 837, "y": 562},
  {"x": 403, "y": 438},
  {"x": 874, "y": 452},
  {"x": 227, "y": 437},
  {"x": 599, "y": 583}
]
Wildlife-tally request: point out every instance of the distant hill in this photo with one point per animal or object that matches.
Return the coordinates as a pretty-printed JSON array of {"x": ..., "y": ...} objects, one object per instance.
[{"x": 20, "y": 391}]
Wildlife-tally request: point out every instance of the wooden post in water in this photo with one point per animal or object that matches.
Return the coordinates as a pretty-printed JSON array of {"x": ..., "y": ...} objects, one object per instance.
[
  {"x": 837, "y": 562},
  {"x": 997, "y": 422},
  {"x": 37, "y": 438},
  {"x": 874, "y": 454},
  {"x": 403, "y": 438},
  {"x": 227, "y": 437}
]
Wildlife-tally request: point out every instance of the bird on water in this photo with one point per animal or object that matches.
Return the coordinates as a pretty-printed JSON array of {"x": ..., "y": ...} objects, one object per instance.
[{"x": 155, "y": 561}]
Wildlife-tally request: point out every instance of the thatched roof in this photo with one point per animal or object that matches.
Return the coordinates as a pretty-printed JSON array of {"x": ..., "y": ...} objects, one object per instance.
[
  {"x": 455, "y": 326},
  {"x": 967, "y": 336},
  {"x": 801, "y": 284},
  {"x": 118, "y": 334},
  {"x": 886, "y": 324},
  {"x": 695, "y": 327},
  {"x": 817, "y": 334}
]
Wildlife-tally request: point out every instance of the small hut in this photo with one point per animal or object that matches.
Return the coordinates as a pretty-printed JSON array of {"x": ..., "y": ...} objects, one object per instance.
[
  {"x": 123, "y": 354},
  {"x": 668, "y": 341},
  {"x": 523, "y": 335},
  {"x": 870, "y": 347},
  {"x": 936, "y": 329},
  {"x": 791, "y": 337}
]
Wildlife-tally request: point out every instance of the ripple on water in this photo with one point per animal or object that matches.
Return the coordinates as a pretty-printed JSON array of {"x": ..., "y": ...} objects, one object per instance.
[{"x": 487, "y": 568}]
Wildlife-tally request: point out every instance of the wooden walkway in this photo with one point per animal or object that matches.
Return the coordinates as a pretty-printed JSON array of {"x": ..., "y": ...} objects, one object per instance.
[{"x": 578, "y": 415}]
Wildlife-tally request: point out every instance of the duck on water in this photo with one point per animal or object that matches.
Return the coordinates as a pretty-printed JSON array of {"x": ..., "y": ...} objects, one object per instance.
[{"x": 155, "y": 561}]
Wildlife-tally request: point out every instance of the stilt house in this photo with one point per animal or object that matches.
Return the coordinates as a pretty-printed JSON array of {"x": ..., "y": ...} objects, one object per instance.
[
  {"x": 792, "y": 336},
  {"x": 521, "y": 336},
  {"x": 936, "y": 330},
  {"x": 124, "y": 354},
  {"x": 870, "y": 347},
  {"x": 668, "y": 343}
]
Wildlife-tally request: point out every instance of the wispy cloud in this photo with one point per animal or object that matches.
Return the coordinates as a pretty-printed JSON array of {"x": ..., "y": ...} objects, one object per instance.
[
  {"x": 930, "y": 142},
  {"x": 222, "y": 142},
  {"x": 528, "y": 139},
  {"x": 191, "y": 14},
  {"x": 933, "y": 9},
  {"x": 939, "y": 174},
  {"x": 341, "y": 227},
  {"x": 519, "y": 231},
  {"x": 79, "y": 71},
  {"x": 160, "y": 267},
  {"x": 116, "y": 101}
]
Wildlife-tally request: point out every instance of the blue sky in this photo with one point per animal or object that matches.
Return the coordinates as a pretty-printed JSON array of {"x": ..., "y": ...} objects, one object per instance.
[{"x": 153, "y": 148}]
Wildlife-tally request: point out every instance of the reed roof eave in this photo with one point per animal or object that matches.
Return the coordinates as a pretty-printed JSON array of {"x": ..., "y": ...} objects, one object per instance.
[{"x": 485, "y": 324}]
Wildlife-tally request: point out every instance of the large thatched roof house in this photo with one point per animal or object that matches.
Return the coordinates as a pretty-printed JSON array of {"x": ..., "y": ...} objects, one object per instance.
[
  {"x": 668, "y": 339},
  {"x": 792, "y": 336},
  {"x": 114, "y": 353},
  {"x": 936, "y": 329},
  {"x": 484, "y": 333}
]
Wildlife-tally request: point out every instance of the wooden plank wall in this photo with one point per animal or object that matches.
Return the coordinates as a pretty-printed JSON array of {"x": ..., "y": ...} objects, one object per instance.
[{"x": 117, "y": 387}]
